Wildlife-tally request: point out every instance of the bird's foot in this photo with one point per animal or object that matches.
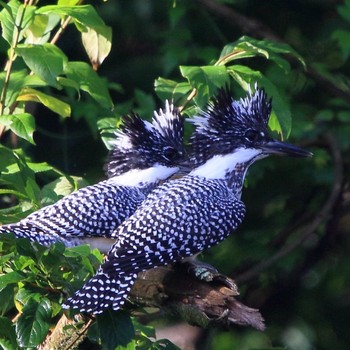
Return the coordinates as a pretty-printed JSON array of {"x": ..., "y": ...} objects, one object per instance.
[{"x": 208, "y": 273}]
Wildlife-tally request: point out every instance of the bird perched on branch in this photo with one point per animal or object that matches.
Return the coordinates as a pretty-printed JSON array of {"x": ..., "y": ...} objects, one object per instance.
[
  {"x": 185, "y": 216},
  {"x": 144, "y": 154}
]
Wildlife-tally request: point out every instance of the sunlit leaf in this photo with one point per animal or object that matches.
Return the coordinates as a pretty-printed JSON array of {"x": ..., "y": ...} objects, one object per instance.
[
  {"x": 17, "y": 81},
  {"x": 83, "y": 16},
  {"x": 249, "y": 47},
  {"x": 10, "y": 278},
  {"x": 206, "y": 80},
  {"x": 40, "y": 29},
  {"x": 15, "y": 16},
  {"x": 47, "y": 61},
  {"x": 67, "y": 2},
  {"x": 23, "y": 125},
  {"x": 89, "y": 82},
  {"x": 171, "y": 90},
  {"x": 96, "y": 45},
  {"x": 61, "y": 108}
]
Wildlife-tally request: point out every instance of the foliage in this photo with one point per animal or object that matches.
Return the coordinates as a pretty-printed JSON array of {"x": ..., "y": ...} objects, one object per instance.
[{"x": 289, "y": 257}]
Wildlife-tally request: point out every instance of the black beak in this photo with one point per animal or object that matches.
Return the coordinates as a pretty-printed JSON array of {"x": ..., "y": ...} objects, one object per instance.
[{"x": 278, "y": 147}]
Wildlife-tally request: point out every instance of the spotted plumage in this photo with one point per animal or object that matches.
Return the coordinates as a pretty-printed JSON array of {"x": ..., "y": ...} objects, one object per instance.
[
  {"x": 185, "y": 216},
  {"x": 144, "y": 153}
]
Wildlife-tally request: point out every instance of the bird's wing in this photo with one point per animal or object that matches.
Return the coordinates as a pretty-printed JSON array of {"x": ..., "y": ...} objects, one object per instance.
[
  {"x": 91, "y": 211},
  {"x": 180, "y": 223}
]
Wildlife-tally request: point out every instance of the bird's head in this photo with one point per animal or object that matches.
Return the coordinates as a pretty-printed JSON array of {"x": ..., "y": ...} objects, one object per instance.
[
  {"x": 141, "y": 144},
  {"x": 236, "y": 131}
]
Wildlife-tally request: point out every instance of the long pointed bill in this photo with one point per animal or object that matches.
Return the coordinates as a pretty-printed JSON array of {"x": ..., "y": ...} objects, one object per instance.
[{"x": 277, "y": 147}]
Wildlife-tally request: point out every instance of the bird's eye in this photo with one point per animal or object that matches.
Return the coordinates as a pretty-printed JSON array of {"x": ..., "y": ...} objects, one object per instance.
[
  {"x": 170, "y": 153},
  {"x": 253, "y": 135}
]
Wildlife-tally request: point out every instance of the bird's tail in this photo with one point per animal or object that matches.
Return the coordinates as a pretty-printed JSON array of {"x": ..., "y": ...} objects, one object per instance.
[
  {"x": 100, "y": 293},
  {"x": 27, "y": 230}
]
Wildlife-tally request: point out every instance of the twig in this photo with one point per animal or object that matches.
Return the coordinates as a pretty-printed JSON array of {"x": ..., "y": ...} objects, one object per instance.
[
  {"x": 60, "y": 30},
  {"x": 321, "y": 216},
  {"x": 188, "y": 99}
]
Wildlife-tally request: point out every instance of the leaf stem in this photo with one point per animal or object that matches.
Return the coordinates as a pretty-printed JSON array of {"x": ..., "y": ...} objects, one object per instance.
[
  {"x": 223, "y": 60},
  {"x": 188, "y": 99},
  {"x": 60, "y": 30}
]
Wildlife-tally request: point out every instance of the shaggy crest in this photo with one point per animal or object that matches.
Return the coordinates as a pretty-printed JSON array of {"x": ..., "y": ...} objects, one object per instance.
[
  {"x": 224, "y": 114},
  {"x": 227, "y": 123},
  {"x": 140, "y": 144}
]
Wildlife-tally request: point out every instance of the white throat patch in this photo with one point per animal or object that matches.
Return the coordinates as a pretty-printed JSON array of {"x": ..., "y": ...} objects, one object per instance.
[
  {"x": 218, "y": 166},
  {"x": 136, "y": 177}
]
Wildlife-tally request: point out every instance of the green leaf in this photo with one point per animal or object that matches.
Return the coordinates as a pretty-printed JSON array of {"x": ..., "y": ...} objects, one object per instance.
[
  {"x": 97, "y": 45},
  {"x": 61, "y": 187},
  {"x": 281, "y": 117},
  {"x": 244, "y": 75},
  {"x": 33, "y": 325},
  {"x": 69, "y": 83},
  {"x": 40, "y": 29},
  {"x": 115, "y": 329},
  {"x": 7, "y": 335},
  {"x": 206, "y": 80},
  {"x": 10, "y": 278},
  {"x": 67, "y": 2},
  {"x": 42, "y": 167},
  {"x": 6, "y": 297},
  {"x": 47, "y": 61},
  {"x": 54, "y": 104},
  {"x": 17, "y": 81},
  {"x": 84, "y": 16},
  {"x": 170, "y": 89},
  {"x": 89, "y": 82},
  {"x": 249, "y": 47},
  {"x": 107, "y": 128},
  {"x": 15, "y": 16},
  {"x": 23, "y": 125},
  {"x": 15, "y": 172}
]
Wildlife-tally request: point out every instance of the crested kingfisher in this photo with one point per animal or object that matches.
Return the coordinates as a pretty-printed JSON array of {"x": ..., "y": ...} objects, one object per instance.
[
  {"x": 184, "y": 216},
  {"x": 144, "y": 154}
]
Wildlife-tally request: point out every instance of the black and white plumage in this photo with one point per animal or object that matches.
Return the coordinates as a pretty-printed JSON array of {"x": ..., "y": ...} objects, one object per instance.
[
  {"x": 144, "y": 153},
  {"x": 183, "y": 217}
]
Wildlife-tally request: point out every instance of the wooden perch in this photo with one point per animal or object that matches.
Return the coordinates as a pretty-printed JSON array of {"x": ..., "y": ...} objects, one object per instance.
[{"x": 174, "y": 289}]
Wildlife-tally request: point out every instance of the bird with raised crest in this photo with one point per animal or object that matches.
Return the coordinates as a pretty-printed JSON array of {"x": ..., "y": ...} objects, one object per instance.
[
  {"x": 144, "y": 154},
  {"x": 181, "y": 218}
]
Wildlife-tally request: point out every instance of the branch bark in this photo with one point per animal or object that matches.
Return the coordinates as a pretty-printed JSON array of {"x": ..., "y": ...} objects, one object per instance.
[{"x": 174, "y": 290}]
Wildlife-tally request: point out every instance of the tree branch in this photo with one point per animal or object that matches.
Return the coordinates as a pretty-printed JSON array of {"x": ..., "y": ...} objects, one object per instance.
[{"x": 174, "y": 290}]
